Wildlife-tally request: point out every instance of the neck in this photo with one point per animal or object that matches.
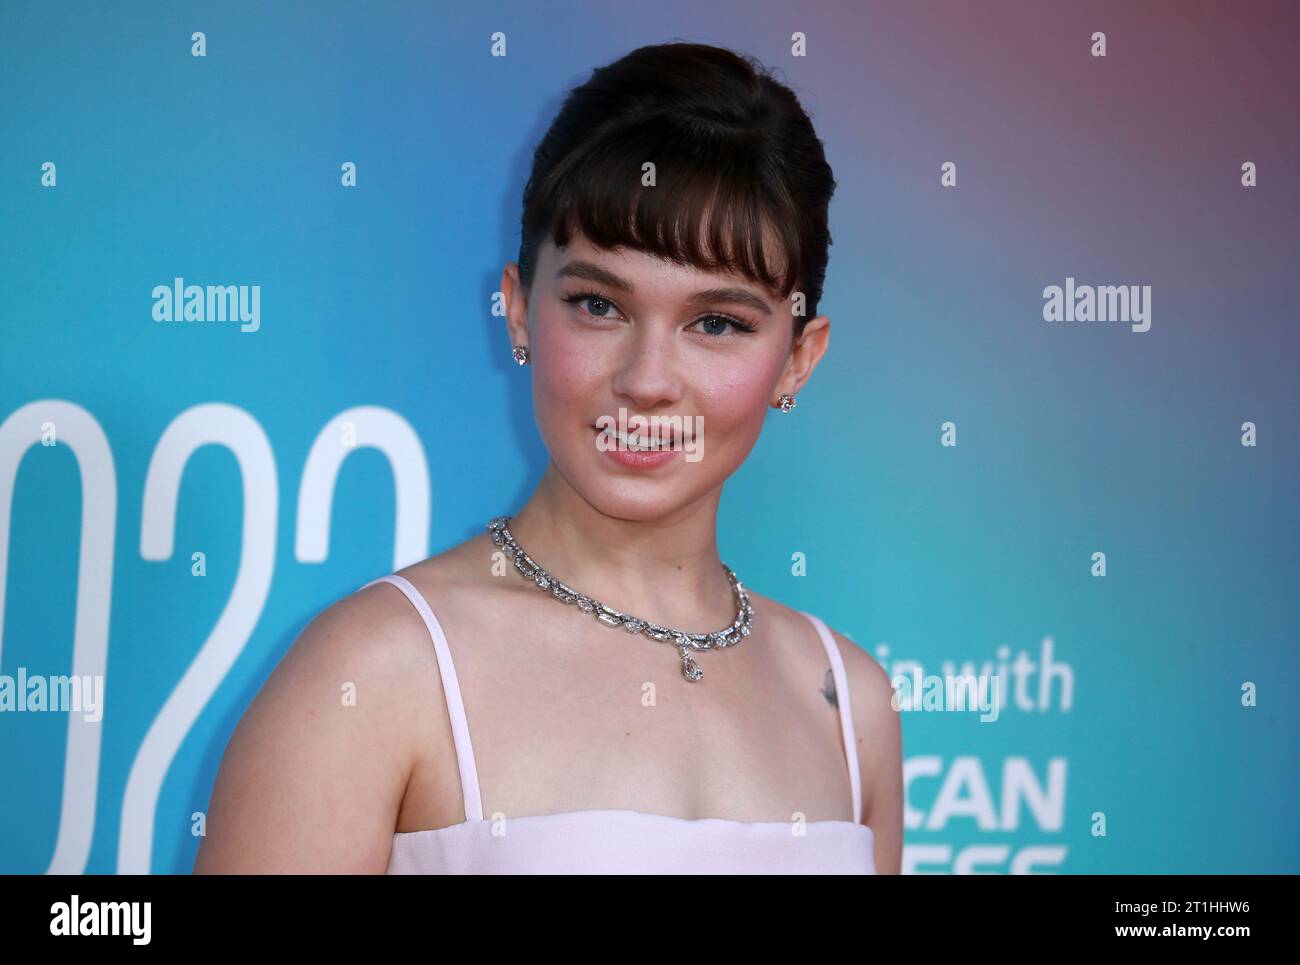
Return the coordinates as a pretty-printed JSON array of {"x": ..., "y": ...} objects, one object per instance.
[{"x": 666, "y": 569}]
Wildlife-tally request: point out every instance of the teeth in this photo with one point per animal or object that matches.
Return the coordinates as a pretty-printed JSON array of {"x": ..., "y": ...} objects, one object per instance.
[{"x": 635, "y": 443}]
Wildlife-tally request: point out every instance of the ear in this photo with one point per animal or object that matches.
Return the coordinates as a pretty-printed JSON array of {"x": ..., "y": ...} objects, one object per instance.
[
  {"x": 805, "y": 353},
  {"x": 516, "y": 305}
]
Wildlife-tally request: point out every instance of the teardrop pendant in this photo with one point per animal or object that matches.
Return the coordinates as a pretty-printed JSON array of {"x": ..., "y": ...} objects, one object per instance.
[{"x": 690, "y": 669}]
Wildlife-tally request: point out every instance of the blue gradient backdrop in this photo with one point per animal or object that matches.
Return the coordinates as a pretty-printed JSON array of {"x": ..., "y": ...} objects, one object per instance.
[{"x": 1073, "y": 437}]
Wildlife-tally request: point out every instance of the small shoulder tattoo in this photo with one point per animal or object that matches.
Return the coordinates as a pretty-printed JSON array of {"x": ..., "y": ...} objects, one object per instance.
[{"x": 828, "y": 688}]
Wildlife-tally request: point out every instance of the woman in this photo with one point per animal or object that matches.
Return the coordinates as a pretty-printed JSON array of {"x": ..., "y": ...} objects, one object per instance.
[{"x": 633, "y": 705}]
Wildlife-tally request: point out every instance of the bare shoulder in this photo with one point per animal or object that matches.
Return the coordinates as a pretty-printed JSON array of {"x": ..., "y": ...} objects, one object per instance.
[
  {"x": 379, "y": 624},
  {"x": 313, "y": 776},
  {"x": 877, "y": 733},
  {"x": 871, "y": 691},
  {"x": 877, "y": 727},
  {"x": 869, "y": 684}
]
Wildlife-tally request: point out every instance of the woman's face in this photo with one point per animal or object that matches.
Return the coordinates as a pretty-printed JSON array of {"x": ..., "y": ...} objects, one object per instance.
[{"x": 620, "y": 339}]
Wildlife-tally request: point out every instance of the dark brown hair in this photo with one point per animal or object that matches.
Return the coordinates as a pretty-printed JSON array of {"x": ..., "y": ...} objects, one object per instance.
[{"x": 733, "y": 151}]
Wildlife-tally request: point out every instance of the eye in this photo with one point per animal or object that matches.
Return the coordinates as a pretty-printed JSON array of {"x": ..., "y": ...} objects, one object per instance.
[
  {"x": 600, "y": 304},
  {"x": 730, "y": 327}
]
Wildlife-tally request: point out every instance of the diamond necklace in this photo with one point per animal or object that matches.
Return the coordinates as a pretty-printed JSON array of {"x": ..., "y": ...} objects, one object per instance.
[{"x": 683, "y": 641}]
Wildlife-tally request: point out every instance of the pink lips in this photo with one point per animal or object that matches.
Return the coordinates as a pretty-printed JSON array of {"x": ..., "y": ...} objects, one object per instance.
[
  {"x": 641, "y": 460},
  {"x": 651, "y": 459}
]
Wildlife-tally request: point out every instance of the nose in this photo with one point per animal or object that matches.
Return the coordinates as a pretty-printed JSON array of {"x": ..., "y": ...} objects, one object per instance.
[{"x": 647, "y": 377}]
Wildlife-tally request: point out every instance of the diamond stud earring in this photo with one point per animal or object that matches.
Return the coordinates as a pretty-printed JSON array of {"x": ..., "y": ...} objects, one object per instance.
[
  {"x": 520, "y": 352},
  {"x": 786, "y": 402}
]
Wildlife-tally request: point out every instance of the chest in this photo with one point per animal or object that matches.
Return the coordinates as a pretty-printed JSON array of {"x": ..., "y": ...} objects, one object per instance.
[{"x": 564, "y": 714}]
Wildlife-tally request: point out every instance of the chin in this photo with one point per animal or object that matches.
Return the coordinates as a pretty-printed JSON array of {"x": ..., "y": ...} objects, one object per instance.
[{"x": 632, "y": 500}]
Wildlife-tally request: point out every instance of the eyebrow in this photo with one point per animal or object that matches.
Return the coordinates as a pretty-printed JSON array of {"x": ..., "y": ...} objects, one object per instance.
[{"x": 594, "y": 272}]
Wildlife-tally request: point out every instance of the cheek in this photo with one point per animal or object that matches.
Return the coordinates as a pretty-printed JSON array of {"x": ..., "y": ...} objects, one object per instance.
[
  {"x": 568, "y": 375},
  {"x": 734, "y": 398}
]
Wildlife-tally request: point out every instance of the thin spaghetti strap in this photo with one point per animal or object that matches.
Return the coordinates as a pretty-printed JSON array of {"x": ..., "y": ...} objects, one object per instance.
[
  {"x": 451, "y": 690},
  {"x": 846, "y": 712}
]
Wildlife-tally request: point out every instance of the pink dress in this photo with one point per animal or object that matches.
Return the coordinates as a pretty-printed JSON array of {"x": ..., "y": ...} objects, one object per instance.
[{"x": 616, "y": 841}]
